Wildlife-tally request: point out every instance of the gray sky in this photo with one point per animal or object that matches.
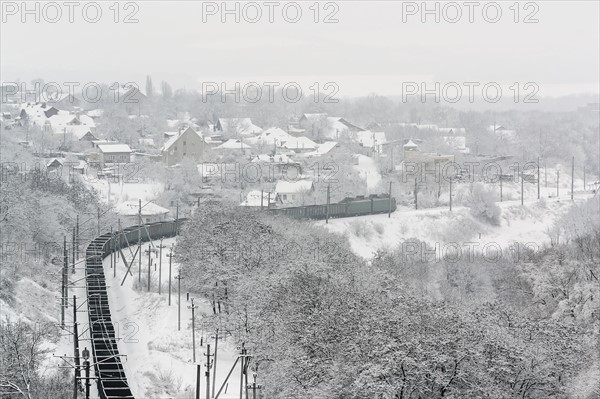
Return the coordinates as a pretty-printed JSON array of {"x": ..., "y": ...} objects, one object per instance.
[{"x": 369, "y": 50}]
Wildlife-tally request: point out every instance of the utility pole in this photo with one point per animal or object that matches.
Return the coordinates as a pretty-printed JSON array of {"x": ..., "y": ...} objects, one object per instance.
[
  {"x": 160, "y": 265},
  {"x": 140, "y": 241},
  {"x": 98, "y": 220},
  {"x": 179, "y": 300},
  {"x": 416, "y": 203},
  {"x": 254, "y": 386},
  {"x": 193, "y": 307},
  {"x": 327, "y": 209},
  {"x": 76, "y": 348},
  {"x": 500, "y": 188},
  {"x": 77, "y": 236},
  {"x": 65, "y": 290},
  {"x": 149, "y": 264},
  {"x": 197, "y": 381},
  {"x": 450, "y": 198},
  {"x": 522, "y": 180},
  {"x": 545, "y": 174},
  {"x": 269, "y": 200},
  {"x": 572, "y": 177},
  {"x": 113, "y": 253},
  {"x": 242, "y": 364},
  {"x": 86, "y": 363},
  {"x": 170, "y": 255},
  {"x": 73, "y": 245},
  {"x": 389, "y": 201},
  {"x": 111, "y": 247},
  {"x": 538, "y": 177},
  {"x": 261, "y": 198},
  {"x": 215, "y": 362},
  {"x": 177, "y": 218},
  {"x": 207, "y": 372}
]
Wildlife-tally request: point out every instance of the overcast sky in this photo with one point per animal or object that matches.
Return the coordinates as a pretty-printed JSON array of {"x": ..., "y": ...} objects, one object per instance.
[{"x": 369, "y": 50}]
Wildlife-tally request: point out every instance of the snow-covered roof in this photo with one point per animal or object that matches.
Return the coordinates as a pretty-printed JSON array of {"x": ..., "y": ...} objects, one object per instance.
[
  {"x": 273, "y": 135},
  {"x": 176, "y": 137},
  {"x": 299, "y": 143},
  {"x": 322, "y": 149},
  {"x": 54, "y": 162},
  {"x": 63, "y": 119},
  {"x": 253, "y": 198},
  {"x": 410, "y": 144},
  {"x": 241, "y": 126},
  {"x": 78, "y": 131},
  {"x": 114, "y": 148},
  {"x": 131, "y": 208},
  {"x": 277, "y": 158},
  {"x": 314, "y": 117},
  {"x": 232, "y": 144},
  {"x": 287, "y": 187}
]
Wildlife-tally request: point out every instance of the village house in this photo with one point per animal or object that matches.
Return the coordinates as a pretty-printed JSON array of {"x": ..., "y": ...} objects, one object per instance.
[
  {"x": 273, "y": 136},
  {"x": 129, "y": 213},
  {"x": 294, "y": 192},
  {"x": 187, "y": 143},
  {"x": 299, "y": 144},
  {"x": 114, "y": 153},
  {"x": 312, "y": 122},
  {"x": 323, "y": 149},
  {"x": 36, "y": 114},
  {"x": 132, "y": 99}
]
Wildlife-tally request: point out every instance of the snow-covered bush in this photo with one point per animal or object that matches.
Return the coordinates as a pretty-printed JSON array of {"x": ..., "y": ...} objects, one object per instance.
[
  {"x": 482, "y": 202},
  {"x": 361, "y": 229}
]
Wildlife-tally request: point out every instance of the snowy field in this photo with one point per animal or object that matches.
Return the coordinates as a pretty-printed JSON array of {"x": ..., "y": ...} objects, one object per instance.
[{"x": 529, "y": 223}]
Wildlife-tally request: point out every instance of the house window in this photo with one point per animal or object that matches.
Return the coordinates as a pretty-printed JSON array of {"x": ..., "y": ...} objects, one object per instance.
[
  {"x": 284, "y": 197},
  {"x": 147, "y": 220}
]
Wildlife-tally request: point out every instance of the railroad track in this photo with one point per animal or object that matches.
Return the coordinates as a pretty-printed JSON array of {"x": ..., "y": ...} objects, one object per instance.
[{"x": 110, "y": 375}]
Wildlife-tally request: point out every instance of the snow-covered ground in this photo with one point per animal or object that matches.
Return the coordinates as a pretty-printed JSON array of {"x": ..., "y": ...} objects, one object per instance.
[
  {"x": 528, "y": 223},
  {"x": 159, "y": 359},
  {"x": 115, "y": 193}
]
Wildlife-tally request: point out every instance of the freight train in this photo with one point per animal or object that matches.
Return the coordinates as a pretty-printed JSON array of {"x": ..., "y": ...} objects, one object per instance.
[
  {"x": 110, "y": 375},
  {"x": 348, "y": 207}
]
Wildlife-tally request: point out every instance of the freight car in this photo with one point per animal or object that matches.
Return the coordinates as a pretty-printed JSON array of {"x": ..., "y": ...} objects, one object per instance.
[{"x": 348, "y": 207}]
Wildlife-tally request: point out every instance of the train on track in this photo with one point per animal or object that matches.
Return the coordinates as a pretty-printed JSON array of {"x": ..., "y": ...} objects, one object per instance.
[
  {"x": 111, "y": 379},
  {"x": 348, "y": 207}
]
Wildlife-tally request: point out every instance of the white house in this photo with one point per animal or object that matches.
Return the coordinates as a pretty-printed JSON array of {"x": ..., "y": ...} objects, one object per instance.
[
  {"x": 294, "y": 191},
  {"x": 129, "y": 212}
]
